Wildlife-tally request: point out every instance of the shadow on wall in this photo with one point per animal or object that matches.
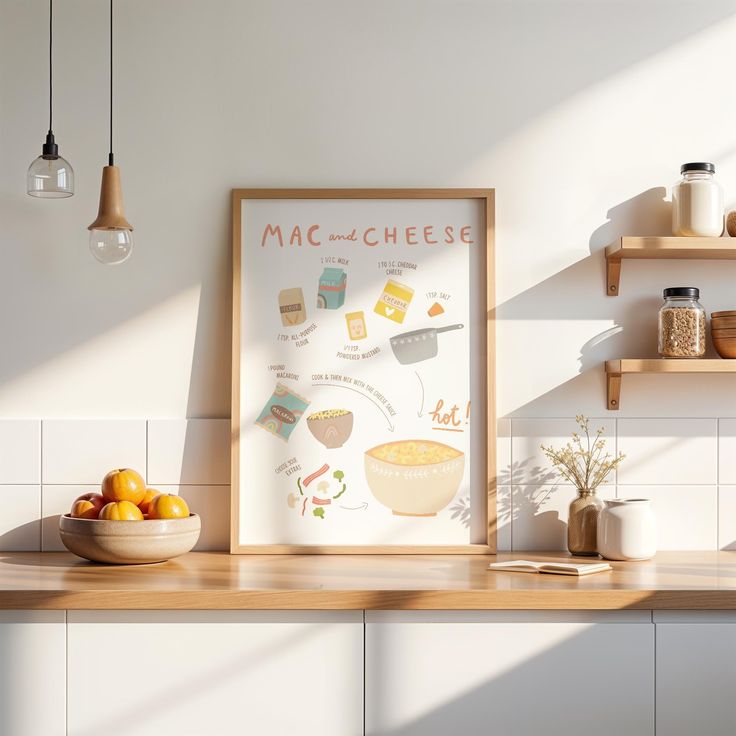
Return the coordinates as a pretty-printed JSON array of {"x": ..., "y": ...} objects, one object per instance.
[
  {"x": 15, "y": 538},
  {"x": 530, "y": 488},
  {"x": 634, "y": 332},
  {"x": 176, "y": 252},
  {"x": 647, "y": 213}
]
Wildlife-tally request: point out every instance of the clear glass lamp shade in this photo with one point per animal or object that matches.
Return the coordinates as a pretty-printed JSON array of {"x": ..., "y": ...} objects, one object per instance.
[
  {"x": 50, "y": 178},
  {"x": 111, "y": 246}
]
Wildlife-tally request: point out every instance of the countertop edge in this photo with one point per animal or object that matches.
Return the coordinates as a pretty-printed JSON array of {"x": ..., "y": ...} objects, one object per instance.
[{"x": 560, "y": 600}]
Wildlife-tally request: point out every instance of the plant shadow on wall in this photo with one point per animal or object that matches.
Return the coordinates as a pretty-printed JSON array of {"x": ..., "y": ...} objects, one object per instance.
[{"x": 523, "y": 491}]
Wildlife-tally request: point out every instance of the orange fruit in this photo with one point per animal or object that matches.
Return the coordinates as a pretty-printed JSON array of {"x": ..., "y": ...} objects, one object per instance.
[
  {"x": 123, "y": 485},
  {"x": 167, "y": 506},
  {"x": 121, "y": 511},
  {"x": 87, "y": 506},
  {"x": 147, "y": 498}
]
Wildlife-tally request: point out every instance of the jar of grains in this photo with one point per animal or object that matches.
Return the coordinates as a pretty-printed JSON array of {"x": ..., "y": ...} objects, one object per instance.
[{"x": 682, "y": 324}]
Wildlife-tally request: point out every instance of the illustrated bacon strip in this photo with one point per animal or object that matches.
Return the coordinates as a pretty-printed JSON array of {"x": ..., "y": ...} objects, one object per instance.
[
  {"x": 321, "y": 501},
  {"x": 316, "y": 474}
]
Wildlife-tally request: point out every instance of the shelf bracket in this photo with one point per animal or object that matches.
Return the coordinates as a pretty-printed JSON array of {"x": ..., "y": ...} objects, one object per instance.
[
  {"x": 613, "y": 395},
  {"x": 613, "y": 276}
]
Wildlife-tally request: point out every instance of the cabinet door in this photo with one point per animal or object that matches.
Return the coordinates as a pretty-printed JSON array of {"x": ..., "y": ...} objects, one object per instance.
[
  {"x": 696, "y": 673},
  {"x": 510, "y": 674},
  {"x": 194, "y": 673},
  {"x": 32, "y": 673}
]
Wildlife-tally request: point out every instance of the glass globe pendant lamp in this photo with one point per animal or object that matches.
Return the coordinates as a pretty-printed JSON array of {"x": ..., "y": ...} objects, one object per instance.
[
  {"x": 111, "y": 235},
  {"x": 50, "y": 176}
]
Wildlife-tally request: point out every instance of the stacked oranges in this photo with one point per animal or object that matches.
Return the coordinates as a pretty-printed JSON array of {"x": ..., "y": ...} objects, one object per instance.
[{"x": 125, "y": 497}]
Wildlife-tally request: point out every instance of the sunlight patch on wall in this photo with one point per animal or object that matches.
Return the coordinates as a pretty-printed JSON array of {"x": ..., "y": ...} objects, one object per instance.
[{"x": 114, "y": 371}]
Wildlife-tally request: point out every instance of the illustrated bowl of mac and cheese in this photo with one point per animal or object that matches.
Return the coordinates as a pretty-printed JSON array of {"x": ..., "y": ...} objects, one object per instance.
[
  {"x": 331, "y": 427},
  {"x": 414, "y": 477}
]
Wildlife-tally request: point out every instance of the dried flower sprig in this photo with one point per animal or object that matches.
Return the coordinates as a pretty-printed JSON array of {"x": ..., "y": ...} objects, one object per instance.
[{"x": 583, "y": 464}]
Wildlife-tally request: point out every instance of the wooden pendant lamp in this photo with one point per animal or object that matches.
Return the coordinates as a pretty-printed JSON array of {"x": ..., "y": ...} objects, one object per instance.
[{"x": 110, "y": 234}]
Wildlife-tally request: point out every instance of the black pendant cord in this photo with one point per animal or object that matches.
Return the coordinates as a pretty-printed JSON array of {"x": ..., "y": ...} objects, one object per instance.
[
  {"x": 111, "y": 158},
  {"x": 51, "y": 66},
  {"x": 50, "y": 150}
]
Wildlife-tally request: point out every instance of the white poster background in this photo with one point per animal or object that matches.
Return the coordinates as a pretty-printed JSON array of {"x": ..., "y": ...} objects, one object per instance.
[{"x": 410, "y": 392}]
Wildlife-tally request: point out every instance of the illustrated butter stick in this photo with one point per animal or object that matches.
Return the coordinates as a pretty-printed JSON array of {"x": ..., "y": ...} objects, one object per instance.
[
  {"x": 394, "y": 301},
  {"x": 282, "y": 412}
]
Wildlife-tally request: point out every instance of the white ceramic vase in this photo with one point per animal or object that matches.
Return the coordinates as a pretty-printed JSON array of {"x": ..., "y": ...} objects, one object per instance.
[{"x": 627, "y": 529}]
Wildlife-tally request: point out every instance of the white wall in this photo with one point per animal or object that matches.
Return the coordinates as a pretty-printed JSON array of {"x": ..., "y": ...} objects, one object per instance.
[
  {"x": 579, "y": 112},
  {"x": 571, "y": 109}
]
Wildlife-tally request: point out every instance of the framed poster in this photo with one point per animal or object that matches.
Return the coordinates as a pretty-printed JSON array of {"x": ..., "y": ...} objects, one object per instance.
[{"x": 363, "y": 414}]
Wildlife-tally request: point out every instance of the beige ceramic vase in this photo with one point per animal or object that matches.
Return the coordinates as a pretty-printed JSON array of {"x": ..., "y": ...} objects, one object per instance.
[{"x": 582, "y": 523}]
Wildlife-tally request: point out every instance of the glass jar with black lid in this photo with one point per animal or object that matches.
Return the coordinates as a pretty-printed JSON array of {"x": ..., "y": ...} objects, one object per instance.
[{"x": 681, "y": 324}]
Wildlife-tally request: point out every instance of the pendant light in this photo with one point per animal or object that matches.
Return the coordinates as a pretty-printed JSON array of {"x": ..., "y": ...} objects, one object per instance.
[
  {"x": 110, "y": 235},
  {"x": 50, "y": 176}
]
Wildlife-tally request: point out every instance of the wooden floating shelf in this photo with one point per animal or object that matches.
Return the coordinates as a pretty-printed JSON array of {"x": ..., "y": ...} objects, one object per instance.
[
  {"x": 652, "y": 247},
  {"x": 616, "y": 369}
]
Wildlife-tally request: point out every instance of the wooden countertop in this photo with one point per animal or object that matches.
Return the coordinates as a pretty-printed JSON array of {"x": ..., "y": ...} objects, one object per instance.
[{"x": 215, "y": 580}]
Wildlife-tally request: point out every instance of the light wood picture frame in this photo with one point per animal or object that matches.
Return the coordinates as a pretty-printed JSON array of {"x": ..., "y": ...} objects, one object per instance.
[{"x": 248, "y": 208}]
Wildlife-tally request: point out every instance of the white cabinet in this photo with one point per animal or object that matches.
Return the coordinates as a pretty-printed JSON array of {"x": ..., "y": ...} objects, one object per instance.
[
  {"x": 696, "y": 673},
  {"x": 509, "y": 673},
  {"x": 196, "y": 673},
  {"x": 32, "y": 673}
]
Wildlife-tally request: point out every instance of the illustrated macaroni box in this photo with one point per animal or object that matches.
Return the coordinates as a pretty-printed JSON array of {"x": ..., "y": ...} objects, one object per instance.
[
  {"x": 282, "y": 412},
  {"x": 332, "y": 284}
]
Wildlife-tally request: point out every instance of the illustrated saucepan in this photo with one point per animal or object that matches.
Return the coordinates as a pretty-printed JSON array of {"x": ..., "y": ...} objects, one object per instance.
[{"x": 411, "y": 347}]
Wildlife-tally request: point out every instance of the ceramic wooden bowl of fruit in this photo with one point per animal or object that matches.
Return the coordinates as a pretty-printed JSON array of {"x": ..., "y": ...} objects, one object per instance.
[{"x": 129, "y": 524}]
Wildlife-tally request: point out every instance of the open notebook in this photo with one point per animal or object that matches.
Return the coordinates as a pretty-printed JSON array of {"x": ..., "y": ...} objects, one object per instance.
[{"x": 555, "y": 568}]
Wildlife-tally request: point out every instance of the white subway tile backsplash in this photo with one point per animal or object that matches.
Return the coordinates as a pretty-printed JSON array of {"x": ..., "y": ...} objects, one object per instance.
[
  {"x": 20, "y": 451},
  {"x": 189, "y": 451},
  {"x": 687, "y": 515},
  {"x": 668, "y": 451},
  {"x": 530, "y": 466},
  {"x": 83, "y": 451},
  {"x": 727, "y": 451},
  {"x": 20, "y": 519},
  {"x": 727, "y": 517},
  {"x": 675, "y": 462},
  {"x": 55, "y": 501},
  {"x": 504, "y": 507},
  {"x": 212, "y": 503},
  {"x": 540, "y": 515}
]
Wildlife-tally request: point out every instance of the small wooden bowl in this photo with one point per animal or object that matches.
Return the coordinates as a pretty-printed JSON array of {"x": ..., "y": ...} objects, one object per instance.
[
  {"x": 129, "y": 542},
  {"x": 723, "y": 322},
  {"x": 725, "y": 347}
]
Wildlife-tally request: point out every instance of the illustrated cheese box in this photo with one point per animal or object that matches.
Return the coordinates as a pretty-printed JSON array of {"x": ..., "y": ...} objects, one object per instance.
[
  {"x": 332, "y": 284},
  {"x": 394, "y": 301}
]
